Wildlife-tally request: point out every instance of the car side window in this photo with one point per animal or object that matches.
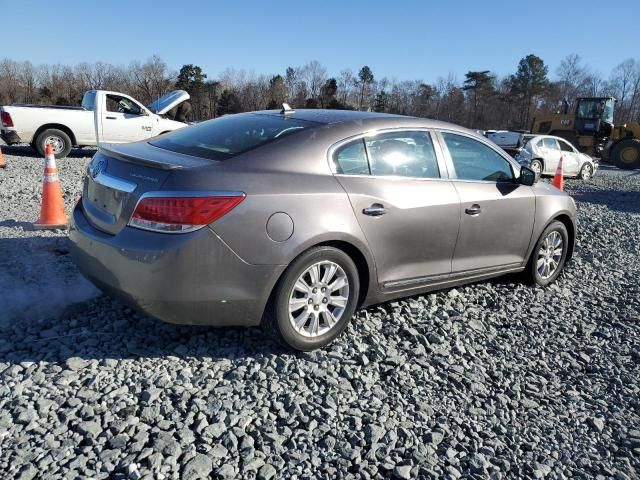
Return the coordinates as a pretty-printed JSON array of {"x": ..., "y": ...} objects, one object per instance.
[
  {"x": 406, "y": 154},
  {"x": 474, "y": 160},
  {"x": 351, "y": 159},
  {"x": 116, "y": 103},
  {"x": 564, "y": 146},
  {"x": 550, "y": 143}
]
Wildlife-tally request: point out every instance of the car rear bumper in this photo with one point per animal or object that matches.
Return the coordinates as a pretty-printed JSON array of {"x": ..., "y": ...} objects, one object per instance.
[
  {"x": 192, "y": 278},
  {"x": 10, "y": 137}
]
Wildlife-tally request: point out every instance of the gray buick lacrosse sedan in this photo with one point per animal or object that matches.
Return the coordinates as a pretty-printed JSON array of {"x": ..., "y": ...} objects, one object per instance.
[{"x": 294, "y": 219}]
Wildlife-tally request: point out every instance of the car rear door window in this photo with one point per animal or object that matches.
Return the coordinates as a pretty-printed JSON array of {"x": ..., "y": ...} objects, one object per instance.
[
  {"x": 406, "y": 154},
  {"x": 351, "y": 159},
  {"x": 550, "y": 143},
  {"x": 474, "y": 160}
]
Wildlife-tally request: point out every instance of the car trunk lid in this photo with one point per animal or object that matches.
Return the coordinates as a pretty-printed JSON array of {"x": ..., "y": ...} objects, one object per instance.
[{"x": 119, "y": 175}]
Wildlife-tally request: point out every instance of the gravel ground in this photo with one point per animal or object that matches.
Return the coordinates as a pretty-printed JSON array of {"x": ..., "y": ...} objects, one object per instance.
[{"x": 493, "y": 380}]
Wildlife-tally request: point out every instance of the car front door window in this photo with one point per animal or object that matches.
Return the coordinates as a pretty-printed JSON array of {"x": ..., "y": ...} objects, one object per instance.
[{"x": 473, "y": 160}]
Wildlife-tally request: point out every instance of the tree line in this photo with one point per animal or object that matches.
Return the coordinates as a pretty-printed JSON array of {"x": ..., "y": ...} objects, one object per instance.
[{"x": 481, "y": 100}]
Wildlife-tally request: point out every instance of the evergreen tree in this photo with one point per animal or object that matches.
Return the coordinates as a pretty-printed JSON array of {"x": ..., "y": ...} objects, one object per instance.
[
  {"x": 228, "y": 103},
  {"x": 365, "y": 75},
  {"x": 529, "y": 80},
  {"x": 478, "y": 83}
]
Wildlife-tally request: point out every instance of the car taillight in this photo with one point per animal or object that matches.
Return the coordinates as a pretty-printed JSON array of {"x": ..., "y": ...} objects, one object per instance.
[
  {"x": 6, "y": 120},
  {"x": 172, "y": 214}
]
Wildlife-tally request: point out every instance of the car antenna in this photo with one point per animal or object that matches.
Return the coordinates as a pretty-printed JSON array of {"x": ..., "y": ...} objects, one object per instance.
[{"x": 286, "y": 109}]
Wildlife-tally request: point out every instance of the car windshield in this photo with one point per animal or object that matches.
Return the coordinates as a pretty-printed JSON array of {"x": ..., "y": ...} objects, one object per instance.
[{"x": 231, "y": 135}]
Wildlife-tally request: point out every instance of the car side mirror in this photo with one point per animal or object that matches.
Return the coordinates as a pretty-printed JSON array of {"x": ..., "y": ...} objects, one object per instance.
[{"x": 527, "y": 176}]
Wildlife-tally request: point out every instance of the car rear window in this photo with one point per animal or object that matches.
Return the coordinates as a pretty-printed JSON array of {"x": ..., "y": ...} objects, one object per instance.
[{"x": 231, "y": 135}]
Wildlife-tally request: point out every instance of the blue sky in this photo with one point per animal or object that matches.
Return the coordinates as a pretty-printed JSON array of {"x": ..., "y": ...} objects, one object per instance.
[{"x": 402, "y": 39}]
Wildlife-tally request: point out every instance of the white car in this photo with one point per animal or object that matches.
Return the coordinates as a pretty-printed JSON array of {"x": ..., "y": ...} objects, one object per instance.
[
  {"x": 505, "y": 139},
  {"x": 541, "y": 153},
  {"x": 104, "y": 117}
]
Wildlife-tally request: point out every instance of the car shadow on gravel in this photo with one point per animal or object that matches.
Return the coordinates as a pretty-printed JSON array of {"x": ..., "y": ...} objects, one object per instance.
[
  {"x": 621, "y": 201},
  {"x": 104, "y": 329},
  {"x": 27, "y": 151},
  {"x": 49, "y": 312}
]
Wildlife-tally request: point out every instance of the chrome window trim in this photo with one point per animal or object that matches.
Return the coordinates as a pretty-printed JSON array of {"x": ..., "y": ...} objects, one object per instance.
[
  {"x": 114, "y": 183},
  {"x": 444, "y": 172}
]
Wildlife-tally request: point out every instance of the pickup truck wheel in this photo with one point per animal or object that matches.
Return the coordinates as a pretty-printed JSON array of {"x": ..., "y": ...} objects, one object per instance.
[{"x": 58, "y": 139}]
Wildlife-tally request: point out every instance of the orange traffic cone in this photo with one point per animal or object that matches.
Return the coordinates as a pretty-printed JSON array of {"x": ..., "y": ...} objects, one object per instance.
[
  {"x": 558, "y": 178},
  {"x": 52, "y": 214},
  {"x": 3, "y": 162}
]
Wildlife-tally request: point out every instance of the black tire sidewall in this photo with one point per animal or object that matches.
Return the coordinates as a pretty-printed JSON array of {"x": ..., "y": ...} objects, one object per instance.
[
  {"x": 284, "y": 328},
  {"x": 538, "y": 175},
  {"x": 585, "y": 166},
  {"x": 53, "y": 131},
  {"x": 617, "y": 150},
  {"x": 533, "y": 270}
]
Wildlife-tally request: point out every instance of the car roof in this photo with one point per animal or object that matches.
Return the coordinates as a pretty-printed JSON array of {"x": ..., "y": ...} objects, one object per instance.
[{"x": 365, "y": 119}]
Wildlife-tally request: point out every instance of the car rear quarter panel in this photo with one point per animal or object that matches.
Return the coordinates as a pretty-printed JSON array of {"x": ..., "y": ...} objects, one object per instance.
[{"x": 290, "y": 176}]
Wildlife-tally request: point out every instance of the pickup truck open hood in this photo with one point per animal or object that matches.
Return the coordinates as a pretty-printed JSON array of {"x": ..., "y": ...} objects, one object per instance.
[{"x": 168, "y": 101}]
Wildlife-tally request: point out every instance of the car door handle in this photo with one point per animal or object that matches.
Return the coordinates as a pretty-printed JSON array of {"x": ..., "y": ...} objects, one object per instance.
[
  {"x": 374, "y": 210},
  {"x": 112, "y": 118},
  {"x": 473, "y": 210}
]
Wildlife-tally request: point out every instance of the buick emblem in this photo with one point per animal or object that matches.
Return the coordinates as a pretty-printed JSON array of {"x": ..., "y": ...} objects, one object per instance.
[{"x": 98, "y": 168}]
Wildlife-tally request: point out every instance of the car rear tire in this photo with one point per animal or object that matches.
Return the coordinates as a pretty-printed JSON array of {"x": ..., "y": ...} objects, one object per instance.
[
  {"x": 58, "y": 139},
  {"x": 314, "y": 300},
  {"x": 586, "y": 172},
  {"x": 549, "y": 255},
  {"x": 536, "y": 166},
  {"x": 626, "y": 154}
]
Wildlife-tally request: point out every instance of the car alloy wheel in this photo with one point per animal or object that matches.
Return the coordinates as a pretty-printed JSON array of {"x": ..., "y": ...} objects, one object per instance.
[
  {"x": 318, "y": 299},
  {"x": 549, "y": 255},
  {"x": 536, "y": 166},
  {"x": 587, "y": 172},
  {"x": 314, "y": 300}
]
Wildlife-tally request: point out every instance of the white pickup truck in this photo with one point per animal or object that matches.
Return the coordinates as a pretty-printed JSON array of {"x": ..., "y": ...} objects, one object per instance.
[{"x": 104, "y": 116}]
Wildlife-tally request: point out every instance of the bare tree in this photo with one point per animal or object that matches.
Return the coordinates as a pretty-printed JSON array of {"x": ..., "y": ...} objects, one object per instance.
[{"x": 314, "y": 74}]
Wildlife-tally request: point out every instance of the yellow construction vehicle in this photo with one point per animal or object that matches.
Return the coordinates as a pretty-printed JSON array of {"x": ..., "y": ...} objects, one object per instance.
[{"x": 591, "y": 130}]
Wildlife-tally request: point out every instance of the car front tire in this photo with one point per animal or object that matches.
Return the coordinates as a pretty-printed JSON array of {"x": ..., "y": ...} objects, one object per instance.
[
  {"x": 549, "y": 255},
  {"x": 314, "y": 300}
]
